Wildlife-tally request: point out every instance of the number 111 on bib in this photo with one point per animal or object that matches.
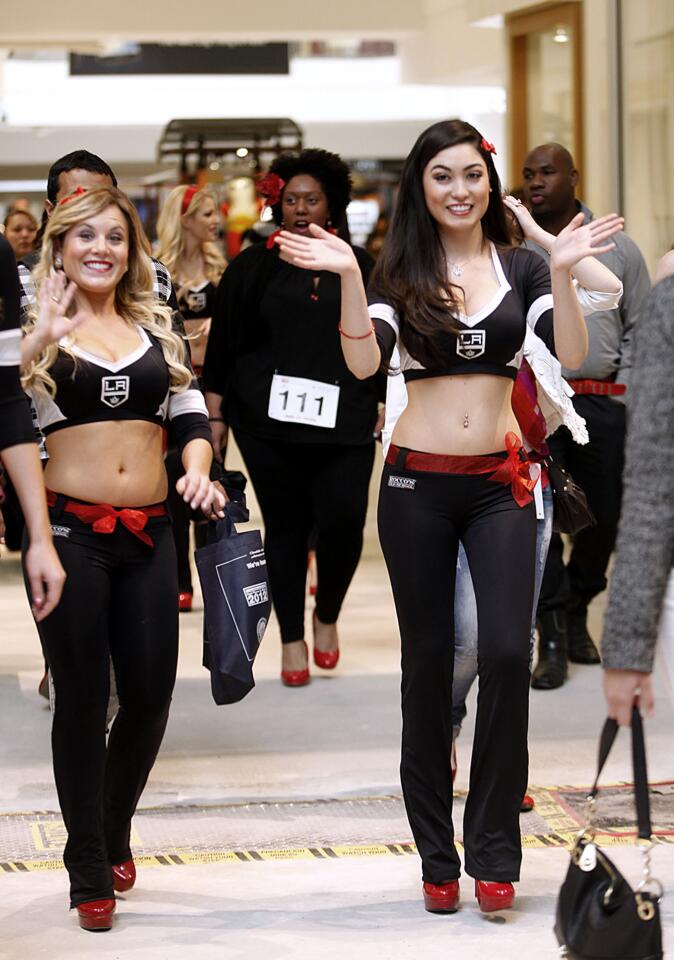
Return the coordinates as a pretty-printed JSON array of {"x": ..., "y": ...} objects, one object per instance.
[{"x": 298, "y": 400}]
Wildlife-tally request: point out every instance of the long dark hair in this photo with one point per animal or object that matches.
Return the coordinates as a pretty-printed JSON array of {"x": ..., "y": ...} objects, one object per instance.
[{"x": 411, "y": 272}]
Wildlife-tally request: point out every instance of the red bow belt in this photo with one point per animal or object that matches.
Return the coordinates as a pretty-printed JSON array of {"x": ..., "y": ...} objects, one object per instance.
[
  {"x": 513, "y": 469},
  {"x": 103, "y": 517},
  {"x": 601, "y": 388}
]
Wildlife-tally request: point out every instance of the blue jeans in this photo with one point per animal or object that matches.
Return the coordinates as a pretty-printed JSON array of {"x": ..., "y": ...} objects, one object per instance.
[{"x": 465, "y": 615}]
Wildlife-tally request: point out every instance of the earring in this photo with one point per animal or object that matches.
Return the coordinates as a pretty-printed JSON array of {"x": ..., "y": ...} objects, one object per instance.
[{"x": 58, "y": 262}]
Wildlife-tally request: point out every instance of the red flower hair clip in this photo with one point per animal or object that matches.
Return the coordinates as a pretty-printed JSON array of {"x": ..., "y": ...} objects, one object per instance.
[
  {"x": 271, "y": 187},
  {"x": 488, "y": 147},
  {"x": 77, "y": 192}
]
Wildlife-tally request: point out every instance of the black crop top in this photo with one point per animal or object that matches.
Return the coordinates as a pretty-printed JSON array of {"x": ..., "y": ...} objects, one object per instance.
[
  {"x": 90, "y": 389},
  {"x": 198, "y": 303},
  {"x": 15, "y": 422},
  {"x": 491, "y": 340}
]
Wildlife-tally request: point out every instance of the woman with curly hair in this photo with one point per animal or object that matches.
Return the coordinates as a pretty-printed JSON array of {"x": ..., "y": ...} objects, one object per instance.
[
  {"x": 105, "y": 372},
  {"x": 274, "y": 372},
  {"x": 187, "y": 230}
]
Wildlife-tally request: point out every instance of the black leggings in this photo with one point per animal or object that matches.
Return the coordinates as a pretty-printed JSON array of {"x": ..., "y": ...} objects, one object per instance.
[
  {"x": 422, "y": 518},
  {"x": 302, "y": 486},
  {"x": 120, "y": 600}
]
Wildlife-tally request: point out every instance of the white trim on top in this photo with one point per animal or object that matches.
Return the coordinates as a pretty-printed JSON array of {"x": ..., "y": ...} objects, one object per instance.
[
  {"x": 472, "y": 319},
  {"x": 114, "y": 366}
]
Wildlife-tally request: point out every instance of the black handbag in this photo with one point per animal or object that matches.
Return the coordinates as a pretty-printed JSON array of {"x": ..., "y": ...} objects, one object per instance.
[
  {"x": 599, "y": 915},
  {"x": 571, "y": 510}
]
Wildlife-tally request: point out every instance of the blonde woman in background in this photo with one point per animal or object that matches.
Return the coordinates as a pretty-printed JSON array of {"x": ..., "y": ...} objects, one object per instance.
[
  {"x": 187, "y": 231},
  {"x": 105, "y": 372}
]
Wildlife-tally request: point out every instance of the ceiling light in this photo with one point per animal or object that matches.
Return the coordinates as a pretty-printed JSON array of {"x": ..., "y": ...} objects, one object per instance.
[
  {"x": 242, "y": 152},
  {"x": 560, "y": 35}
]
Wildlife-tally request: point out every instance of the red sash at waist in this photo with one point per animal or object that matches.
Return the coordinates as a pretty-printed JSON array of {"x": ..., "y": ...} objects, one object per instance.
[
  {"x": 103, "y": 517},
  {"x": 600, "y": 388},
  {"x": 513, "y": 469}
]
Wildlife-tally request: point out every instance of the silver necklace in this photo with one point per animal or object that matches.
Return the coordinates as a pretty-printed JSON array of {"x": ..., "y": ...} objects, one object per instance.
[{"x": 456, "y": 269}]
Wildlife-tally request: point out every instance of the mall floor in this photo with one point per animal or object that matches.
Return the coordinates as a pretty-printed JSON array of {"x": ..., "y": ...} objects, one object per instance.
[{"x": 275, "y": 829}]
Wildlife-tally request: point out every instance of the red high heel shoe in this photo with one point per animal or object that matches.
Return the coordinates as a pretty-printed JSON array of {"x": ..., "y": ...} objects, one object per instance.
[
  {"x": 494, "y": 896},
  {"x": 184, "y": 602},
  {"x": 528, "y": 804},
  {"x": 124, "y": 875},
  {"x": 326, "y": 659},
  {"x": 96, "y": 914},
  {"x": 297, "y": 678},
  {"x": 442, "y": 897}
]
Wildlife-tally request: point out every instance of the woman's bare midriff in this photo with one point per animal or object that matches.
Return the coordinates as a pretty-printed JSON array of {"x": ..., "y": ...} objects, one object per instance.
[
  {"x": 438, "y": 408},
  {"x": 119, "y": 462},
  {"x": 197, "y": 333}
]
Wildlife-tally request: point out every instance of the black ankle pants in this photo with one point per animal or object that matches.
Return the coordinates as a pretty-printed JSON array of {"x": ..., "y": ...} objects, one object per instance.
[
  {"x": 304, "y": 488},
  {"x": 120, "y": 600},
  {"x": 422, "y": 517}
]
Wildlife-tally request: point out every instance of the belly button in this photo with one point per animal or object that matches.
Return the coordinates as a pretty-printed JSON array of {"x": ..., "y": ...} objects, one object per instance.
[{"x": 121, "y": 471}]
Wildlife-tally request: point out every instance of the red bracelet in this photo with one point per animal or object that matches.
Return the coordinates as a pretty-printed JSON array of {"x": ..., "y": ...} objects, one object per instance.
[{"x": 349, "y": 336}]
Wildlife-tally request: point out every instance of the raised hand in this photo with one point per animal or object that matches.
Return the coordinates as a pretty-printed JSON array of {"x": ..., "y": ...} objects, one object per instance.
[
  {"x": 56, "y": 295},
  {"x": 530, "y": 229},
  {"x": 579, "y": 239},
  {"x": 320, "y": 251}
]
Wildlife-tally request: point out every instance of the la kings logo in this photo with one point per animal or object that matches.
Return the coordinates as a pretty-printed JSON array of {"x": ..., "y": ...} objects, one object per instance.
[
  {"x": 115, "y": 390},
  {"x": 471, "y": 343}
]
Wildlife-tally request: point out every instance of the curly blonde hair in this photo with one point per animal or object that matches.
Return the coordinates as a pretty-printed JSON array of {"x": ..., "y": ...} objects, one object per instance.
[
  {"x": 171, "y": 246},
  {"x": 135, "y": 300}
]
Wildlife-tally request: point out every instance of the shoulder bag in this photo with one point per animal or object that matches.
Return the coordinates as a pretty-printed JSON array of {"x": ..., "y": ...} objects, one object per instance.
[{"x": 599, "y": 915}]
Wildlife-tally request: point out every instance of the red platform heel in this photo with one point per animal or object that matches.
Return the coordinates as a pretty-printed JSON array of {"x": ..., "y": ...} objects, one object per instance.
[
  {"x": 528, "y": 804},
  {"x": 494, "y": 896},
  {"x": 297, "y": 678},
  {"x": 124, "y": 875},
  {"x": 184, "y": 602},
  {"x": 441, "y": 897},
  {"x": 325, "y": 659},
  {"x": 96, "y": 914}
]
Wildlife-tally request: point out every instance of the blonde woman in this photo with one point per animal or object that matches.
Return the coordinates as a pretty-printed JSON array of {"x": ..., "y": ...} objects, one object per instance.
[
  {"x": 105, "y": 371},
  {"x": 187, "y": 229}
]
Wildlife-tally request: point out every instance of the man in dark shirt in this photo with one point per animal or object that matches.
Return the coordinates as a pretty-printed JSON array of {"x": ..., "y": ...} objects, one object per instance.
[{"x": 550, "y": 180}]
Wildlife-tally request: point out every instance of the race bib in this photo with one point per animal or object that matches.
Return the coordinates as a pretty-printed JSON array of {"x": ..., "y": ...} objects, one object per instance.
[{"x": 298, "y": 400}]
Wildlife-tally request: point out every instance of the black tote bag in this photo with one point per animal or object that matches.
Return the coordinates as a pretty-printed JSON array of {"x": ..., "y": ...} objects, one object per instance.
[{"x": 237, "y": 603}]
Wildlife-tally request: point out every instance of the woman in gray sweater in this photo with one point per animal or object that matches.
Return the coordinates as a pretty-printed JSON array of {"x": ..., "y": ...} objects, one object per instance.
[{"x": 637, "y": 605}]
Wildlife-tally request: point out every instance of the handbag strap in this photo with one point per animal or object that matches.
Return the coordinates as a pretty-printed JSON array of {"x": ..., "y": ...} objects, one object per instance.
[{"x": 607, "y": 739}]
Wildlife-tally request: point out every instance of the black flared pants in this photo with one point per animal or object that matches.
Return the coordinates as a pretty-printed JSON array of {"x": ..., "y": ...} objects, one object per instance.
[
  {"x": 120, "y": 601},
  {"x": 422, "y": 517}
]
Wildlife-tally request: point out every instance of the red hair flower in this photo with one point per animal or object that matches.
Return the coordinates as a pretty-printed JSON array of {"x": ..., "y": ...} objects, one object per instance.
[
  {"x": 488, "y": 147},
  {"x": 271, "y": 187},
  {"x": 77, "y": 192}
]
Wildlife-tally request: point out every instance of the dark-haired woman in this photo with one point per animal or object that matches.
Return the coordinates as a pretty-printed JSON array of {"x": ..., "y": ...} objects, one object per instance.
[
  {"x": 274, "y": 372},
  {"x": 20, "y": 230},
  {"x": 456, "y": 298}
]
